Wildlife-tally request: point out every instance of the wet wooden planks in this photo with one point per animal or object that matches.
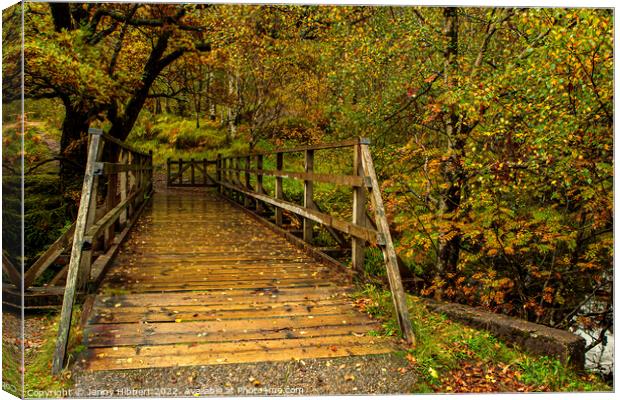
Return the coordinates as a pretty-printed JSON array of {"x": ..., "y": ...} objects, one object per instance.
[{"x": 201, "y": 282}]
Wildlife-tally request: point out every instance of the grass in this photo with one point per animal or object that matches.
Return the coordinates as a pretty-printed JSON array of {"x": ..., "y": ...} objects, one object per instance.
[
  {"x": 38, "y": 379},
  {"x": 446, "y": 348},
  {"x": 11, "y": 365}
]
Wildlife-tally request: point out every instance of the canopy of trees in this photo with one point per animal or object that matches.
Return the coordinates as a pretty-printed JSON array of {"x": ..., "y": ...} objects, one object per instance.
[{"x": 492, "y": 127}]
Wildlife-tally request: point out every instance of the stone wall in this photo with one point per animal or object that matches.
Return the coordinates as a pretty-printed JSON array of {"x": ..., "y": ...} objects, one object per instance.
[{"x": 533, "y": 338}]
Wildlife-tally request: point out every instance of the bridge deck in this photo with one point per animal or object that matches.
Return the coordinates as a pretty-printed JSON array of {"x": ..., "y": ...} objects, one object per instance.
[{"x": 201, "y": 282}]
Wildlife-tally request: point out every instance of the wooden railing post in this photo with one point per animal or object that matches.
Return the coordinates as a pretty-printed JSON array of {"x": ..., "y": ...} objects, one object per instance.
[
  {"x": 238, "y": 177},
  {"x": 123, "y": 186},
  {"x": 279, "y": 190},
  {"x": 389, "y": 253},
  {"x": 218, "y": 173},
  {"x": 359, "y": 212},
  {"x": 259, "y": 179},
  {"x": 76, "y": 253},
  {"x": 169, "y": 179},
  {"x": 237, "y": 170},
  {"x": 180, "y": 177},
  {"x": 246, "y": 199},
  {"x": 150, "y": 171},
  {"x": 308, "y": 195},
  {"x": 204, "y": 171},
  {"x": 192, "y": 171},
  {"x": 227, "y": 175},
  {"x": 110, "y": 202}
]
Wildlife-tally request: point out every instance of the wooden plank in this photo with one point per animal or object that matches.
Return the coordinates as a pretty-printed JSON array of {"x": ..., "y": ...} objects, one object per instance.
[
  {"x": 182, "y": 286},
  {"x": 162, "y": 350},
  {"x": 193, "y": 316},
  {"x": 157, "y": 331},
  {"x": 48, "y": 258},
  {"x": 76, "y": 255},
  {"x": 389, "y": 253},
  {"x": 185, "y": 355},
  {"x": 357, "y": 330},
  {"x": 107, "y": 315},
  {"x": 237, "y": 296}
]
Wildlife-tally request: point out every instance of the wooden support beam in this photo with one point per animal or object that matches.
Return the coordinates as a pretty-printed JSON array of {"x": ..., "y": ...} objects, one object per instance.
[
  {"x": 308, "y": 224},
  {"x": 14, "y": 274},
  {"x": 76, "y": 254},
  {"x": 279, "y": 190},
  {"x": 359, "y": 212},
  {"x": 389, "y": 253},
  {"x": 51, "y": 254}
]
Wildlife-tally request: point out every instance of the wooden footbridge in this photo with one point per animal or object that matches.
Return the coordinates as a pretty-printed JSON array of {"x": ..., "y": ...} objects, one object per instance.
[{"x": 229, "y": 274}]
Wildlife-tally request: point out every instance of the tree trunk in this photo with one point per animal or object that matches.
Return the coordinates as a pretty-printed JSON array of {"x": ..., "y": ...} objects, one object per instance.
[
  {"x": 211, "y": 102},
  {"x": 73, "y": 148},
  {"x": 233, "y": 89},
  {"x": 452, "y": 174}
]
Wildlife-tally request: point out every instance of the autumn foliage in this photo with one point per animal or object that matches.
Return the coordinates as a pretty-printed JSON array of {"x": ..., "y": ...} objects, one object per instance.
[{"x": 492, "y": 128}]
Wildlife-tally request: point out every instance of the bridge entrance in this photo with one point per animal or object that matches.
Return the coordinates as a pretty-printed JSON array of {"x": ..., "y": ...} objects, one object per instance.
[{"x": 209, "y": 276}]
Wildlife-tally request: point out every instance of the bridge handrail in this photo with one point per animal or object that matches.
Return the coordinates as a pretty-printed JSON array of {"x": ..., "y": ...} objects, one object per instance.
[
  {"x": 126, "y": 177},
  {"x": 364, "y": 183}
]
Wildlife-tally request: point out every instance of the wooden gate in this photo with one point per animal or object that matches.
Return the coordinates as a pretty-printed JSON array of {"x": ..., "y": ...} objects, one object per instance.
[{"x": 190, "y": 173}]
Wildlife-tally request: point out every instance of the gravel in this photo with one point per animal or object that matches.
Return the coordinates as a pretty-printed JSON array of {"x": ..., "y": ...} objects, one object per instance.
[{"x": 377, "y": 374}]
